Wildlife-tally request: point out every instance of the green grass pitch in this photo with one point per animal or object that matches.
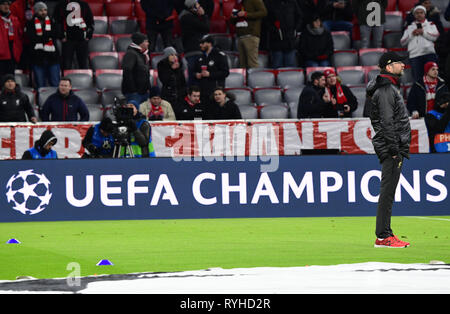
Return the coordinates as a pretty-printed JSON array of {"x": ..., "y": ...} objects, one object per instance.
[{"x": 47, "y": 248}]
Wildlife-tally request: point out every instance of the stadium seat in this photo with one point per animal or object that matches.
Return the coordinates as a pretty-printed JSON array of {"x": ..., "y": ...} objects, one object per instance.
[
  {"x": 119, "y": 8},
  {"x": 108, "y": 95},
  {"x": 353, "y": 75},
  {"x": 370, "y": 56},
  {"x": 341, "y": 40},
  {"x": 29, "y": 91},
  {"x": 280, "y": 111},
  {"x": 218, "y": 25},
  {"x": 407, "y": 77},
  {"x": 223, "y": 41},
  {"x": 392, "y": 40},
  {"x": 97, "y": 7},
  {"x": 100, "y": 43},
  {"x": 96, "y": 112},
  {"x": 44, "y": 93},
  {"x": 261, "y": 79},
  {"x": 155, "y": 58},
  {"x": 122, "y": 25},
  {"x": 248, "y": 112},
  {"x": 88, "y": 95},
  {"x": 290, "y": 78},
  {"x": 80, "y": 78},
  {"x": 121, "y": 42},
  {"x": 236, "y": 78},
  {"x": 311, "y": 70},
  {"x": 394, "y": 21},
  {"x": 392, "y": 5},
  {"x": 108, "y": 79},
  {"x": 100, "y": 25},
  {"x": 293, "y": 108},
  {"x": 342, "y": 58},
  {"x": 244, "y": 96},
  {"x": 22, "y": 79},
  {"x": 138, "y": 11},
  {"x": 360, "y": 94},
  {"x": 405, "y": 6},
  {"x": 263, "y": 59},
  {"x": 104, "y": 60},
  {"x": 441, "y": 4},
  {"x": 371, "y": 72},
  {"x": 233, "y": 59},
  {"x": 292, "y": 94},
  {"x": 270, "y": 95},
  {"x": 227, "y": 7}
]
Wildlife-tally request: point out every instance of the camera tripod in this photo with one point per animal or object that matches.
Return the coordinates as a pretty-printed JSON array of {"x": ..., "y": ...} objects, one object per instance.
[{"x": 128, "y": 152}]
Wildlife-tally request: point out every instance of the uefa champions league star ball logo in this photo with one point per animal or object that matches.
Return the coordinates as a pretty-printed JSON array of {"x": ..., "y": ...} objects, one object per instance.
[{"x": 28, "y": 192}]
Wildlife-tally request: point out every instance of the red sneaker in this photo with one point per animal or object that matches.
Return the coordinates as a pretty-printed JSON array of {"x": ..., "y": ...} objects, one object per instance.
[{"x": 391, "y": 242}]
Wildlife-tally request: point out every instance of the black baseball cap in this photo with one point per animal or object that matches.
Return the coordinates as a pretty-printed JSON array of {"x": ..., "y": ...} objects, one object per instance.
[
  {"x": 207, "y": 39},
  {"x": 388, "y": 58}
]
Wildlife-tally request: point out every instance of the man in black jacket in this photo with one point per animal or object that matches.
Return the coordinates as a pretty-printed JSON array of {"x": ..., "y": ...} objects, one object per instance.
[
  {"x": 76, "y": 27},
  {"x": 211, "y": 69},
  {"x": 14, "y": 105},
  {"x": 136, "y": 70},
  {"x": 390, "y": 122},
  {"x": 311, "y": 103}
]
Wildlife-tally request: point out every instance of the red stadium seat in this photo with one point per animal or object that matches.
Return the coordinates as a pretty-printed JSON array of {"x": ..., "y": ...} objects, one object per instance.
[
  {"x": 119, "y": 8},
  {"x": 392, "y": 5},
  {"x": 97, "y": 7},
  {"x": 406, "y": 5},
  {"x": 138, "y": 11},
  {"x": 227, "y": 7}
]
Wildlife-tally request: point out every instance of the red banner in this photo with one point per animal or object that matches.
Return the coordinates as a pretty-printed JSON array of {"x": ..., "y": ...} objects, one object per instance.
[{"x": 216, "y": 139}]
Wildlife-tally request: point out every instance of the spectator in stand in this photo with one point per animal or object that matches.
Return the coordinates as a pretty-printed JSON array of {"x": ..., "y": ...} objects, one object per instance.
[
  {"x": 438, "y": 125},
  {"x": 424, "y": 92},
  {"x": 11, "y": 38},
  {"x": 223, "y": 106},
  {"x": 311, "y": 103},
  {"x": 24, "y": 11},
  {"x": 370, "y": 23},
  {"x": 42, "y": 148},
  {"x": 194, "y": 25},
  {"x": 342, "y": 100},
  {"x": 338, "y": 16},
  {"x": 41, "y": 31},
  {"x": 136, "y": 70},
  {"x": 191, "y": 108},
  {"x": 171, "y": 75},
  {"x": 283, "y": 21},
  {"x": 155, "y": 108},
  {"x": 433, "y": 14},
  {"x": 159, "y": 20},
  {"x": 311, "y": 9},
  {"x": 419, "y": 37},
  {"x": 14, "y": 105},
  {"x": 316, "y": 44},
  {"x": 247, "y": 17},
  {"x": 64, "y": 105},
  {"x": 208, "y": 6},
  {"x": 76, "y": 27},
  {"x": 211, "y": 68}
]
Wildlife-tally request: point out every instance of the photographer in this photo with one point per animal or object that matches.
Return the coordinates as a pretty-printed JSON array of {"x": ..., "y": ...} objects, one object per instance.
[
  {"x": 438, "y": 125},
  {"x": 133, "y": 130},
  {"x": 43, "y": 148},
  {"x": 99, "y": 141}
]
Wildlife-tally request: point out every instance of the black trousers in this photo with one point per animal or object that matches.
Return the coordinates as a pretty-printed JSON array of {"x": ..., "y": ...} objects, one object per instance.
[
  {"x": 78, "y": 48},
  {"x": 390, "y": 175},
  {"x": 166, "y": 36}
]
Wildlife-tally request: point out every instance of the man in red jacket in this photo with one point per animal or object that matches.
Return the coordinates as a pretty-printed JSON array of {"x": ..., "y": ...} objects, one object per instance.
[{"x": 11, "y": 36}]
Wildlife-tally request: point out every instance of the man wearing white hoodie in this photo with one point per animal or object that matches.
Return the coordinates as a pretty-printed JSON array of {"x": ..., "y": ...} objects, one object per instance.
[{"x": 419, "y": 37}]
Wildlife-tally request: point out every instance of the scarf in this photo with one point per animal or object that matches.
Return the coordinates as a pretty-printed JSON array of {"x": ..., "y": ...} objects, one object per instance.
[
  {"x": 157, "y": 112},
  {"x": 189, "y": 102},
  {"x": 144, "y": 52},
  {"x": 48, "y": 46},
  {"x": 340, "y": 96},
  {"x": 430, "y": 88},
  {"x": 9, "y": 26}
]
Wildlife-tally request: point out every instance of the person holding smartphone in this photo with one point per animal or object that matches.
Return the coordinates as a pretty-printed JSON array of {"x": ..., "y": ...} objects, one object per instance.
[{"x": 420, "y": 37}]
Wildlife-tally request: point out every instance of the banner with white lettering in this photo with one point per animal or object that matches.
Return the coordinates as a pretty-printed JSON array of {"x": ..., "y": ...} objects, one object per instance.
[{"x": 220, "y": 139}]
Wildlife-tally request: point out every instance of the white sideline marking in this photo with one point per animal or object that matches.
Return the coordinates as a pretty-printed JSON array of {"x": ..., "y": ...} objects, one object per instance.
[{"x": 429, "y": 218}]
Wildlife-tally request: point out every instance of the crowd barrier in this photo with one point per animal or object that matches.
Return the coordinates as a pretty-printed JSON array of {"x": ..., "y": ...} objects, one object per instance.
[
  {"x": 218, "y": 139},
  {"x": 171, "y": 188}
]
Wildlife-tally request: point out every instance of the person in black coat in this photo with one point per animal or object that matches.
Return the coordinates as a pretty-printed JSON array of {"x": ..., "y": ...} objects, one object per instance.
[
  {"x": 222, "y": 106},
  {"x": 283, "y": 22},
  {"x": 76, "y": 27},
  {"x": 311, "y": 103},
  {"x": 191, "y": 108},
  {"x": 171, "y": 75},
  {"x": 316, "y": 44},
  {"x": 159, "y": 20},
  {"x": 211, "y": 69},
  {"x": 136, "y": 70},
  {"x": 14, "y": 105},
  {"x": 438, "y": 122}
]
